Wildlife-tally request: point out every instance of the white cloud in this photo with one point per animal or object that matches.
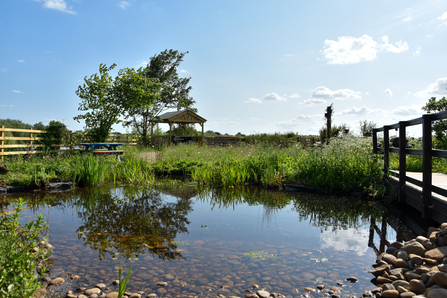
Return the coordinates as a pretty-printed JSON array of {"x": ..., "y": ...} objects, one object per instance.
[
  {"x": 362, "y": 111},
  {"x": 142, "y": 63},
  {"x": 351, "y": 50},
  {"x": 388, "y": 92},
  {"x": 288, "y": 55},
  {"x": 124, "y": 4},
  {"x": 351, "y": 240},
  {"x": 314, "y": 101},
  {"x": 183, "y": 71},
  {"x": 438, "y": 88},
  {"x": 398, "y": 48},
  {"x": 443, "y": 18},
  {"x": 407, "y": 19},
  {"x": 418, "y": 52},
  {"x": 21, "y": 61},
  {"x": 4, "y": 69},
  {"x": 274, "y": 96},
  {"x": 341, "y": 94},
  {"x": 6, "y": 106},
  {"x": 294, "y": 95},
  {"x": 253, "y": 118},
  {"x": 17, "y": 91},
  {"x": 406, "y": 111},
  {"x": 226, "y": 122},
  {"x": 253, "y": 100},
  {"x": 57, "y": 5}
]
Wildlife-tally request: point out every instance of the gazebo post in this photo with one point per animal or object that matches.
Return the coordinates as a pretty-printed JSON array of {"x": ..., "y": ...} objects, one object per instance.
[
  {"x": 170, "y": 134},
  {"x": 202, "y": 124}
]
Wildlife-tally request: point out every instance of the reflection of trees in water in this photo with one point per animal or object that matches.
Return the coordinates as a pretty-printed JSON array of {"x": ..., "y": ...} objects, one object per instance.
[
  {"x": 338, "y": 213},
  {"x": 132, "y": 225}
]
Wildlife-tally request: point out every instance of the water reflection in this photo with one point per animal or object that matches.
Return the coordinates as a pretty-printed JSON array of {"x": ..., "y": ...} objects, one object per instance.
[{"x": 132, "y": 223}]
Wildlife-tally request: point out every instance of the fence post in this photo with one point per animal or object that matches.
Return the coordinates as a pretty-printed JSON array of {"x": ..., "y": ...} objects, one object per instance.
[
  {"x": 386, "y": 147},
  {"x": 71, "y": 142},
  {"x": 426, "y": 164},
  {"x": 402, "y": 160},
  {"x": 375, "y": 149},
  {"x": 30, "y": 148},
  {"x": 2, "y": 142}
]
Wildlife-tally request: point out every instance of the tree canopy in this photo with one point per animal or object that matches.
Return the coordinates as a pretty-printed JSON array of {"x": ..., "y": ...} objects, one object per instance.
[
  {"x": 440, "y": 126},
  {"x": 106, "y": 100},
  {"x": 174, "y": 92}
]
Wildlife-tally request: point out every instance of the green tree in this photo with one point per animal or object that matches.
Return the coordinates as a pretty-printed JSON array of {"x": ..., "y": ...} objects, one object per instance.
[
  {"x": 55, "y": 131},
  {"x": 440, "y": 126},
  {"x": 335, "y": 131},
  {"x": 174, "y": 93},
  {"x": 366, "y": 127},
  {"x": 106, "y": 100}
]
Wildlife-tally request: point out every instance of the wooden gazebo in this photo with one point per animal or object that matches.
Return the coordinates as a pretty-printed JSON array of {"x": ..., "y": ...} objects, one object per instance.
[{"x": 182, "y": 118}]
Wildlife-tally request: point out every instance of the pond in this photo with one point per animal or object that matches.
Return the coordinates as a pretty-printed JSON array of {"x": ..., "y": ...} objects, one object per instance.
[{"x": 208, "y": 242}]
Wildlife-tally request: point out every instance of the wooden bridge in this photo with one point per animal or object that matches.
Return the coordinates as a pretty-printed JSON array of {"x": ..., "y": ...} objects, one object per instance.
[{"x": 424, "y": 191}]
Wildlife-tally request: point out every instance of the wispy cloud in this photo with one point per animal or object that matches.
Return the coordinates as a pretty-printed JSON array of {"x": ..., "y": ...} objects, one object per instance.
[
  {"x": 4, "y": 69},
  {"x": 21, "y": 61},
  {"x": 274, "y": 96},
  {"x": 388, "y": 92},
  {"x": 362, "y": 111},
  {"x": 407, "y": 19},
  {"x": 253, "y": 100},
  {"x": 17, "y": 91},
  {"x": 57, "y": 5},
  {"x": 294, "y": 95},
  {"x": 443, "y": 18},
  {"x": 124, "y": 4},
  {"x": 6, "y": 106},
  {"x": 437, "y": 88},
  {"x": 312, "y": 102},
  {"x": 323, "y": 92},
  {"x": 417, "y": 52},
  {"x": 351, "y": 50},
  {"x": 183, "y": 71},
  {"x": 407, "y": 111}
]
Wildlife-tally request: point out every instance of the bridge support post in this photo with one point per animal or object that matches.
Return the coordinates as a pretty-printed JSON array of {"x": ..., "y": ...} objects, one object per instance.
[
  {"x": 426, "y": 165},
  {"x": 402, "y": 161}
]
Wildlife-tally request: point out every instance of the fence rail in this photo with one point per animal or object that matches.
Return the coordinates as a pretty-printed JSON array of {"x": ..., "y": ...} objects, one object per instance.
[{"x": 424, "y": 201}]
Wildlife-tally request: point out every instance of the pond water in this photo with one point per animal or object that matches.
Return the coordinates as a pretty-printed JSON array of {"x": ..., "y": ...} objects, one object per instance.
[{"x": 208, "y": 242}]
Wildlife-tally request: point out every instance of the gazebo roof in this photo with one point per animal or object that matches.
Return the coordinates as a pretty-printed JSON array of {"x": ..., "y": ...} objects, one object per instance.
[{"x": 182, "y": 116}]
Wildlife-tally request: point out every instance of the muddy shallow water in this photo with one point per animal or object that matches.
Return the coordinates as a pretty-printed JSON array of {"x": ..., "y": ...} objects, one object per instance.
[{"x": 207, "y": 242}]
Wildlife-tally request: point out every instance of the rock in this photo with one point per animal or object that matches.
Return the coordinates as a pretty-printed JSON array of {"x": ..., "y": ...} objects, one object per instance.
[
  {"x": 112, "y": 295},
  {"x": 115, "y": 282},
  {"x": 402, "y": 255},
  {"x": 388, "y": 287},
  {"x": 161, "y": 283},
  {"x": 400, "y": 263},
  {"x": 437, "y": 293},
  {"x": 309, "y": 289},
  {"x": 412, "y": 275},
  {"x": 431, "y": 230},
  {"x": 407, "y": 295},
  {"x": 135, "y": 295},
  {"x": 161, "y": 291},
  {"x": 397, "y": 244},
  {"x": 380, "y": 270},
  {"x": 101, "y": 286},
  {"x": 440, "y": 278},
  {"x": 390, "y": 259},
  {"x": 421, "y": 239},
  {"x": 401, "y": 283},
  {"x": 421, "y": 270},
  {"x": 414, "y": 247},
  {"x": 417, "y": 260},
  {"x": 57, "y": 281},
  {"x": 429, "y": 261},
  {"x": 367, "y": 294},
  {"x": 92, "y": 291},
  {"x": 417, "y": 286},
  {"x": 263, "y": 294},
  {"x": 428, "y": 244},
  {"x": 390, "y": 294},
  {"x": 75, "y": 277},
  {"x": 48, "y": 246},
  {"x": 437, "y": 254},
  {"x": 321, "y": 287},
  {"x": 442, "y": 267},
  {"x": 352, "y": 279}
]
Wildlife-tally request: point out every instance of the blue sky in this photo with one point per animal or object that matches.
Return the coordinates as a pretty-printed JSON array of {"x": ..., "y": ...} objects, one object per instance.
[{"x": 256, "y": 66}]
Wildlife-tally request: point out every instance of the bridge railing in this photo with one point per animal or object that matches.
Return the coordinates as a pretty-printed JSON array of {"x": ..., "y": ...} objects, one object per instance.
[{"x": 427, "y": 153}]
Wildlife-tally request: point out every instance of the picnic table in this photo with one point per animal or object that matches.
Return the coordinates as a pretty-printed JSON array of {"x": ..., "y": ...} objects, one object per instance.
[{"x": 104, "y": 148}]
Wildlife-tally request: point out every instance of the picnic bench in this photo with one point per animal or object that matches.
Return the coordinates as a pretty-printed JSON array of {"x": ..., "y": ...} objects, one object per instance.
[{"x": 103, "y": 148}]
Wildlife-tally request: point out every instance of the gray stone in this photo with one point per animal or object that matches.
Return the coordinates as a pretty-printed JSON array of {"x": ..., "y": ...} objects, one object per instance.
[
  {"x": 401, "y": 283},
  {"x": 400, "y": 263},
  {"x": 92, "y": 291},
  {"x": 437, "y": 293},
  {"x": 263, "y": 294},
  {"x": 402, "y": 255},
  {"x": 437, "y": 254},
  {"x": 417, "y": 260},
  {"x": 440, "y": 278},
  {"x": 414, "y": 247}
]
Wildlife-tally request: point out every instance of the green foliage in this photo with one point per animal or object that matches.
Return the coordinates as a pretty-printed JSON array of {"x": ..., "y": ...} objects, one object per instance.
[
  {"x": 106, "y": 99},
  {"x": 366, "y": 127},
  {"x": 440, "y": 126},
  {"x": 54, "y": 132},
  {"x": 18, "y": 263},
  {"x": 174, "y": 93},
  {"x": 336, "y": 131},
  {"x": 122, "y": 286}
]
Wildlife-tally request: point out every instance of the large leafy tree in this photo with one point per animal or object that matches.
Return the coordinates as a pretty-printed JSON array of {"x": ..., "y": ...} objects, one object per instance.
[
  {"x": 106, "y": 100},
  {"x": 440, "y": 126},
  {"x": 174, "y": 93}
]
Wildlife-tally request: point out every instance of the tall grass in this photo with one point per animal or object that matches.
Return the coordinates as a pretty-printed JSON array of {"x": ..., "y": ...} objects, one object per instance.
[{"x": 345, "y": 165}]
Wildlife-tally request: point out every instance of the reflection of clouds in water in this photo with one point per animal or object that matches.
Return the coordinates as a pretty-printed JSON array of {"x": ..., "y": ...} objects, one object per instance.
[{"x": 346, "y": 240}]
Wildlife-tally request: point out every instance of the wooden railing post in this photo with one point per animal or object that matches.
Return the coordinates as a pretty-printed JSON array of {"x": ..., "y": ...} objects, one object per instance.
[
  {"x": 375, "y": 147},
  {"x": 71, "y": 142},
  {"x": 426, "y": 164},
  {"x": 30, "y": 148},
  {"x": 2, "y": 141},
  {"x": 402, "y": 160},
  {"x": 386, "y": 147}
]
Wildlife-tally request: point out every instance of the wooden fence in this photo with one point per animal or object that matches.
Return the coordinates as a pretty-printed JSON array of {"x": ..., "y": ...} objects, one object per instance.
[
  {"x": 30, "y": 141},
  {"x": 429, "y": 205}
]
